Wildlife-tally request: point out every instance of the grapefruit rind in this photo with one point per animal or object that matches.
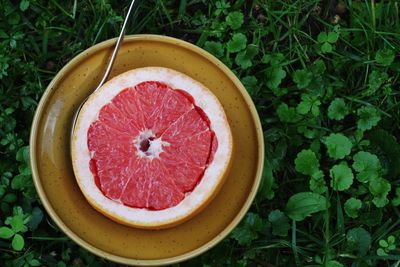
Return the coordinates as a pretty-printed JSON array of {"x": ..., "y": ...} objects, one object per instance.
[{"x": 194, "y": 201}]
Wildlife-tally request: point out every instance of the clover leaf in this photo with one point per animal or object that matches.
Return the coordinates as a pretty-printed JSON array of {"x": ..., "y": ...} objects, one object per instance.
[
  {"x": 375, "y": 80},
  {"x": 367, "y": 165},
  {"x": 215, "y": 48},
  {"x": 24, "y": 5},
  {"x": 386, "y": 246},
  {"x": 368, "y": 117},
  {"x": 359, "y": 239},
  {"x": 6, "y": 232},
  {"x": 337, "y": 110},
  {"x": 384, "y": 57},
  {"x": 306, "y": 162},
  {"x": 249, "y": 229},
  {"x": 326, "y": 40},
  {"x": 237, "y": 43},
  {"x": 275, "y": 75},
  {"x": 235, "y": 20},
  {"x": 380, "y": 188},
  {"x": 18, "y": 242},
  {"x": 302, "y": 78},
  {"x": 245, "y": 57},
  {"x": 338, "y": 146},
  {"x": 279, "y": 222},
  {"x": 342, "y": 177},
  {"x": 286, "y": 113},
  {"x": 308, "y": 103},
  {"x": 251, "y": 84},
  {"x": 317, "y": 182},
  {"x": 352, "y": 206}
]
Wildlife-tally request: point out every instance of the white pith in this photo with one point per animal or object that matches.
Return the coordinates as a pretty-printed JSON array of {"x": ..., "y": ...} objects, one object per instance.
[{"x": 212, "y": 175}]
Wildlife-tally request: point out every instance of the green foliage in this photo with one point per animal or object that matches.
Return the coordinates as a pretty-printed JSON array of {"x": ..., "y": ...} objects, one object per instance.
[
  {"x": 368, "y": 117},
  {"x": 18, "y": 242},
  {"x": 275, "y": 72},
  {"x": 279, "y": 222},
  {"x": 301, "y": 205},
  {"x": 327, "y": 40},
  {"x": 385, "y": 57},
  {"x": 375, "y": 81},
  {"x": 235, "y": 20},
  {"x": 387, "y": 246},
  {"x": 24, "y": 5},
  {"x": 265, "y": 190},
  {"x": 367, "y": 165},
  {"x": 388, "y": 148},
  {"x": 251, "y": 84},
  {"x": 352, "y": 206},
  {"x": 286, "y": 113},
  {"x": 244, "y": 58},
  {"x": 274, "y": 76},
  {"x": 315, "y": 79},
  {"x": 338, "y": 146},
  {"x": 6, "y": 232},
  {"x": 342, "y": 177},
  {"x": 396, "y": 199},
  {"x": 17, "y": 224},
  {"x": 237, "y": 43},
  {"x": 338, "y": 109},
  {"x": 306, "y": 162},
  {"x": 302, "y": 78},
  {"x": 359, "y": 239},
  {"x": 379, "y": 188},
  {"x": 317, "y": 182},
  {"x": 215, "y": 48},
  {"x": 249, "y": 229},
  {"x": 308, "y": 104},
  {"x": 333, "y": 263},
  {"x": 371, "y": 217}
]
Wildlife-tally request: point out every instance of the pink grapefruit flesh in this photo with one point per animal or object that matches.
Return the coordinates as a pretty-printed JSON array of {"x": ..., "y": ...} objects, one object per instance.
[
  {"x": 151, "y": 148},
  {"x": 122, "y": 145}
]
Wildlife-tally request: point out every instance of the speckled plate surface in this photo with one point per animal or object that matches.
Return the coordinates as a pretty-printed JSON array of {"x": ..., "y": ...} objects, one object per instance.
[{"x": 56, "y": 184}]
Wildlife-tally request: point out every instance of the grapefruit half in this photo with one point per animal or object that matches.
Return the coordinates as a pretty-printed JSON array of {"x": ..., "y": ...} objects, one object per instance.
[{"x": 151, "y": 148}]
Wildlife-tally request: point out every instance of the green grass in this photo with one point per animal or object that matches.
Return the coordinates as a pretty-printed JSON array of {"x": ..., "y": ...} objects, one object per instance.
[{"x": 327, "y": 91}]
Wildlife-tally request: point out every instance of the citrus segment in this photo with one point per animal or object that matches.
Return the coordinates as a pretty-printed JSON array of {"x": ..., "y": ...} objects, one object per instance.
[
  {"x": 160, "y": 105},
  {"x": 130, "y": 109},
  {"x": 185, "y": 174}
]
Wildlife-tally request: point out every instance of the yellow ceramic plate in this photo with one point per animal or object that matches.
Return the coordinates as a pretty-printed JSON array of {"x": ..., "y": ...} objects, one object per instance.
[{"x": 55, "y": 181}]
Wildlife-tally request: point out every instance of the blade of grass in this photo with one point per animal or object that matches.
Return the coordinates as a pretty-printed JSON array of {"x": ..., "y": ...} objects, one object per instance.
[
  {"x": 72, "y": 16},
  {"x": 293, "y": 244},
  {"x": 182, "y": 8},
  {"x": 339, "y": 217}
]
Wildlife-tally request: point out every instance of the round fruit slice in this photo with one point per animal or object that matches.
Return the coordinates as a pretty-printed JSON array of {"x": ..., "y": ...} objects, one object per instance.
[{"x": 151, "y": 148}]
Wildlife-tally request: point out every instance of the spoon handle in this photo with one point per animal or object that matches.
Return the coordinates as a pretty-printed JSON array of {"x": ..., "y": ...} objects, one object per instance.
[{"x": 117, "y": 46}]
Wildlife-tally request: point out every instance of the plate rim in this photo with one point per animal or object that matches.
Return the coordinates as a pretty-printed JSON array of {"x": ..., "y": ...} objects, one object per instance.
[{"x": 125, "y": 260}]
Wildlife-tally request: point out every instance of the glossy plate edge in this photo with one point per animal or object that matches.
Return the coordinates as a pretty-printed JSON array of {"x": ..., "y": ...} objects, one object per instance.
[{"x": 129, "y": 261}]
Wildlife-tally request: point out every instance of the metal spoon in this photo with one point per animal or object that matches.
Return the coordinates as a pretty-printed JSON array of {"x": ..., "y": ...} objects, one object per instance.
[{"x": 109, "y": 67}]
